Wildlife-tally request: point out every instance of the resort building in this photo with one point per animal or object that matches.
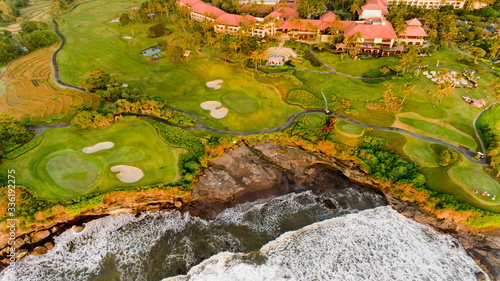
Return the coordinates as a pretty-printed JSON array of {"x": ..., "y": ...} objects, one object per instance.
[
  {"x": 317, "y": 30},
  {"x": 413, "y": 34},
  {"x": 202, "y": 11},
  {"x": 377, "y": 35},
  {"x": 374, "y": 34},
  {"x": 373, "y": 9},
  {"x": 430, "y": 4},
  {"x": 231, "y": 24}
]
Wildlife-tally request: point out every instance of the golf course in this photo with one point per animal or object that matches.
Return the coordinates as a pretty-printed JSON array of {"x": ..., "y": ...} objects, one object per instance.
[{"x": 58, "y": 169}]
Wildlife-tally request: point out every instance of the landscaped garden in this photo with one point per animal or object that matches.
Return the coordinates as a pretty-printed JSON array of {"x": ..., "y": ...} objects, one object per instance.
[
  {"x": 59, "y": 169},
  {"x": 93, "y": 42}
]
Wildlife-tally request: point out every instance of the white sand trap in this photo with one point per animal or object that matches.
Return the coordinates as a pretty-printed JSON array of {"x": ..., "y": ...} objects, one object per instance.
[
  {"x": 127, "y": 37},
  {"x": 215, "y": 84},
  {"x": 219, "y": 113},
  {"x": 115, "y": 20},
  {"x": 97, "y": 147},
  {"x": 127, "y": 174},
  {"x": 215, "y": 112}
]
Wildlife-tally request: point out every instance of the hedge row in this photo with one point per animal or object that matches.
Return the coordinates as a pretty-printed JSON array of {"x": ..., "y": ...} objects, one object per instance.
[
  {"x": 25, "y": 148},
  {"x": 304, "y": 99}
]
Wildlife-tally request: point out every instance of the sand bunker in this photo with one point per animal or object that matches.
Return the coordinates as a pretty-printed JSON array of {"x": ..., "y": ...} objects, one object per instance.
[
  {"x": 127, "y": 174},
  {"x": 215, "y": 84},
  {"x": 215, "y": 112},
  {"x": 127, "y": 37},
  {"x": 115, "y": 20},
  {"x": 97, "y": 147}
]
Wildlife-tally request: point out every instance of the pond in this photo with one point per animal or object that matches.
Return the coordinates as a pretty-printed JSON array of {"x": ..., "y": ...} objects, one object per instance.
[{"x": 152, "y": 52}]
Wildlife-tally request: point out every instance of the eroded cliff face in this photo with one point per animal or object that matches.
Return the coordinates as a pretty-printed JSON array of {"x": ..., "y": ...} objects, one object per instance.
[{"x": 247, "y": 174}]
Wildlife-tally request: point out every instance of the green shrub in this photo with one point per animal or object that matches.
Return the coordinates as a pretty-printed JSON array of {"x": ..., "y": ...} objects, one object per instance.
[
  {"x": 405, "y": 76},
  {"x": 304, "y": 99},
  {"x": 25, "y": 148},
  {"x": 313, "y": 60},
  {"x": 156, "y": 31}
]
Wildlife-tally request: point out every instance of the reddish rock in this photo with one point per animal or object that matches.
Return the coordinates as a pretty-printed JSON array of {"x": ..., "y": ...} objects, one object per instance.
[
  {"x": 39, "y": 236},
  {"x": 21, "y": 253},
  {"x": 38, "y": 251},
  {"x": 49, "y": 245}
]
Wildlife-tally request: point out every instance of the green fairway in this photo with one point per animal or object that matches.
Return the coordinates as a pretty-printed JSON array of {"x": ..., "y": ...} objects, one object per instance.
[
  {"x": 471, "y": 177},
  {"x": 440, "y": 132},
  {"x": 93, "y": 42},
  {"x": 57, "y": 169},
  {"x": 420, "y": 152}
]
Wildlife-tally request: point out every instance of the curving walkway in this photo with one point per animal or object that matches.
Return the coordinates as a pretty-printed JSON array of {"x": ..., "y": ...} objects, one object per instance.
[
  {"x": 202, "y": 126},
  {"x": 63, "y": 42}
]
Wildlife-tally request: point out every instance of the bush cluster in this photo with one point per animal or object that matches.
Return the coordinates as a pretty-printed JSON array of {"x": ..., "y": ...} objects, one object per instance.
[{"x": 304, "y": 99}]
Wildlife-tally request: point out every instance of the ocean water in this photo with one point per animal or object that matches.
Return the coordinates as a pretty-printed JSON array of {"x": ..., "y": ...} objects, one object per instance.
[{"x": 291, "y": 237}]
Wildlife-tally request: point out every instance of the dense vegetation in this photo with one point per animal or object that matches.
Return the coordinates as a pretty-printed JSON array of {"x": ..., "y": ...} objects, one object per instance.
[
  {"x": 125, "y": 101},
  {"x": 12, "y": 134},
  {"x": 305, "y": 99},
  {"x": 34, "y": 35}
]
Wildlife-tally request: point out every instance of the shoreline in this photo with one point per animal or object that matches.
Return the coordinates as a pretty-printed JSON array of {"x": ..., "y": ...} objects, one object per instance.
[{"x": 264, "y": 172}]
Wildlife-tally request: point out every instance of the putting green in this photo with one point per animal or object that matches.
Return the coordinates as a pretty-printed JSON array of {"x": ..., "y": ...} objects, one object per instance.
[
  {"x": 67, "y": 168},
  {"x": 471, "y": 177},
  {"x": 57, "y": 169},
  {"x": 420, "y": 152},
  {"x": 349, "y": 129}
]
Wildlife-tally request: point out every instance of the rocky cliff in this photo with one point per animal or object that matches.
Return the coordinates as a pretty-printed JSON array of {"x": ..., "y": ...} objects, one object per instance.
[{"x": 249, "y": 173}]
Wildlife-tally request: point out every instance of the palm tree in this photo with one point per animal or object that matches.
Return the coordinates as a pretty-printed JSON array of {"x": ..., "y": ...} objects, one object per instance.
[
  {"x": 407, "y": 90},
  {"x": 495, "y": 86},
  {"x": 443, "y": 89}
]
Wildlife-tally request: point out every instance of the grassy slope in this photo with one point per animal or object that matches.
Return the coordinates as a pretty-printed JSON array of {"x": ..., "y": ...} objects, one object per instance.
[
  {"x": 94, "y": 42},
  {"x": 58, "y": 169}
]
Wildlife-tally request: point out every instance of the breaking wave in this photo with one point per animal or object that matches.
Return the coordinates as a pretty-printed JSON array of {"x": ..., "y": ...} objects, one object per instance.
[
  {"x": 291, "y": 237},
  {"x": 377, "y": 244}
]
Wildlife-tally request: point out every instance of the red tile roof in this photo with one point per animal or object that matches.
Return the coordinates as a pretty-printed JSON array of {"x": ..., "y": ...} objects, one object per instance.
[
  {"x": 235, "y": 20},
  {"x": 414, "y": 31},
  {"x": 375, "y": 5},
  {"x": 414, "y": 22},
  {"x": 328, "y": 17},
  {"x": 191, "y": 3},
  {"x": 292, "y": 24},
  {"x": 207, "y": 9},
  {"x": 371, "y": 28},
  {"x": 248, "y": 7},
  {"x": 287, "y": 12}
]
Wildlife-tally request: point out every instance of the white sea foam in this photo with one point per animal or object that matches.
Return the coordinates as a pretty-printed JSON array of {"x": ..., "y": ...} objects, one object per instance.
[{"x": 377, "y": 244}]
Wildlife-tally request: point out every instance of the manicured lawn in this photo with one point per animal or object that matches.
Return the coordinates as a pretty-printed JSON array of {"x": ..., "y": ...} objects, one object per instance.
[
  {"x": 93, "y": 42},
  {"x": 420, "y": 152},
  {"x": 361, "y": 68},
  {"x": 58, "y": 169},
  {"x": 471, "y": 176},
  {"x": 440, "y": 131},
  {"x": 348, "y": 128}
]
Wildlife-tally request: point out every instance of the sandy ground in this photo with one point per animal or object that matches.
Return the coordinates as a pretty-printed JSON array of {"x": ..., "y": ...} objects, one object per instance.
[
  {"x": 215, "y": 84},
  {"x": 127, "y": 174},
  {"x": 97, "y": 147},
  {"x": 215, "y": 112}
]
